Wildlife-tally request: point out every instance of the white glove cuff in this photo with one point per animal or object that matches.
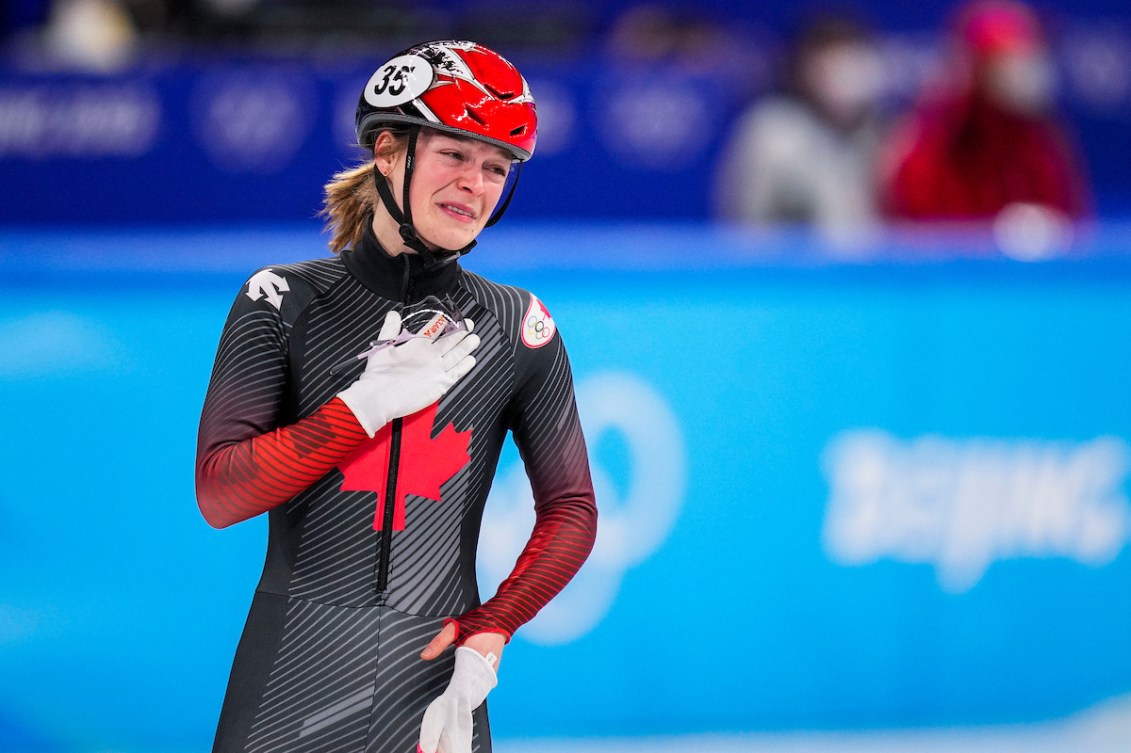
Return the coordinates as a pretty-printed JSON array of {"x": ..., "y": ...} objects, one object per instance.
[
  {"x": 474, "y": 675},
  {"x": 366, "y": 407}
]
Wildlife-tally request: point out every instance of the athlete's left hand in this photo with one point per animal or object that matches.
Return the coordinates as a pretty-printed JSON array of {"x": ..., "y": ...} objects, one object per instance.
[
  {"x": 484, "y": 643},
  {"x": 447, "y": 726}
]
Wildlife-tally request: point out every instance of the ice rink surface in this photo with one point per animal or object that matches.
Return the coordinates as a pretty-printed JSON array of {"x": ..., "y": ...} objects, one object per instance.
[{"x": 1103, "y": 729}]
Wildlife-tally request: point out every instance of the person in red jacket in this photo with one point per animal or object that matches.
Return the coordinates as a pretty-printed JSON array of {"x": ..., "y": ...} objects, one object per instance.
[
  {"x": 988, "y": 138},
  {"x": 361, "y": 401}
]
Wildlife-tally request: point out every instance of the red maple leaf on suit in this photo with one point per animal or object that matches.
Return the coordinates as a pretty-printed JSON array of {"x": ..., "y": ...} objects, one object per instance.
[{"x": 425, "y": 463}]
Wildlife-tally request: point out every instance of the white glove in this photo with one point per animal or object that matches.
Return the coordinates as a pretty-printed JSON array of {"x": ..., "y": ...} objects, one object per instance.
[
  {"x": 447, "y": 724},
  {"x": 400, "y": 380}
]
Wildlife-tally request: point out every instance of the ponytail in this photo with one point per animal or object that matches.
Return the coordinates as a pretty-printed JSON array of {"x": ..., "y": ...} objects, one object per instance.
[{"x": 350, "y": 198}]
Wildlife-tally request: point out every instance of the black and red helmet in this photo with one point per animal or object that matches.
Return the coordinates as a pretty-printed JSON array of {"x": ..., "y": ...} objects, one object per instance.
[{"x": 454, "y": 86}]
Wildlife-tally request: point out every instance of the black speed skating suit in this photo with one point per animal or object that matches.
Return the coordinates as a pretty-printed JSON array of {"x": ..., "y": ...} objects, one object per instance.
[{"x": 372, "y": 540}]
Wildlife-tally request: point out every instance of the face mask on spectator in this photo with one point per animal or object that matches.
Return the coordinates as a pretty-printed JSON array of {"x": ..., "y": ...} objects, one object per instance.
[
  {"x": 845, "y": 79},
  {"x": 1021, "y": 82}
]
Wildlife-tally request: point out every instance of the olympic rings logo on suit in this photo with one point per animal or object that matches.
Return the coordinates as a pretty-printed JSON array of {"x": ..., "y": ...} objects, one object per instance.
[{"x": 538, "y": 326}]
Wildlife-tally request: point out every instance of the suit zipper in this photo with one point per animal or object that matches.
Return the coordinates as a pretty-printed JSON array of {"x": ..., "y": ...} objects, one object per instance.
[
  {"x": 391, "y": 480},
  {"x": 389, "y": 510}
]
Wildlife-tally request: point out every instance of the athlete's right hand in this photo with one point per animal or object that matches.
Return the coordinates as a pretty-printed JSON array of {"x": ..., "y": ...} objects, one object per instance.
[{"x": 408, "y": 377}]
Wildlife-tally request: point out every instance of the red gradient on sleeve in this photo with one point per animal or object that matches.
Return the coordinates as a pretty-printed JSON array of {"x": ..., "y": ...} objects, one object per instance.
[
  {"x": 562, "y": 538},
  {"x": 240, "y": 480}
]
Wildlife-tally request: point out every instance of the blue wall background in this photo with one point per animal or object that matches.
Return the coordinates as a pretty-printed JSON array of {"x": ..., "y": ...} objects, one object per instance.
[{"x": 722, "y": 600}]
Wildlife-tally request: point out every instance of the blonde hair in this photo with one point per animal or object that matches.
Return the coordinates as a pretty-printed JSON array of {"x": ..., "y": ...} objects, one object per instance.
[{"x": 350, "y": 198}]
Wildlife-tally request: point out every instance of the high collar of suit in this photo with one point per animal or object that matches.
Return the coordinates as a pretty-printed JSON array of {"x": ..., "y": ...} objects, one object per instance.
[{"x": 404, "y": 277}]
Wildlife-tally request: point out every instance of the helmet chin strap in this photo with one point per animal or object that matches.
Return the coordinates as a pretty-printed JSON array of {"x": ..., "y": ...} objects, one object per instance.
[{"x": 432, "y": 259}]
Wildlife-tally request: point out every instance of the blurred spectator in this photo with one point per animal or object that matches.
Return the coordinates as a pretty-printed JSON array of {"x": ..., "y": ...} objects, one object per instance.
[
  {"x": 99, "y": 36},
  {"x": 807, "y": 154},
  {"x": 985, "y": 140},
  {"x": 96, "y": 35}
]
